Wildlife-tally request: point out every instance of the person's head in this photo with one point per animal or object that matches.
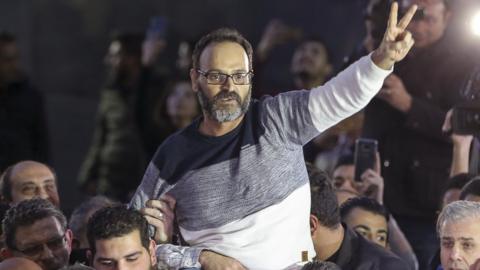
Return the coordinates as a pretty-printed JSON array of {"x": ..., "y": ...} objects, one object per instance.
[
  {"x": 430, "y": 22},
  {"x": 9, "y": 58},
  {"x": 454, "y": 187},
  {"x": 367, "y": 217},
  {"x": 181, "y": 102},
  {"x": 29, "y": 179},
  {"x": 19, "y": 264},
  {"x": 124, "y": 53},
  {"x": 344, "y": 174},
  {"x": 471, "y": 190},
  {"x": 311, "y": 61},
  {"x": 458, "y": 227},
  {"x": 324, "y": 206},
  {"x": 318, "y": 265},
  {"x": 81, "y": 215},
  {"x": 37, "y": 230},
  {"x": 376, "y": 18},
  {"x": 222, "y": 74},
  {"x": 119, "y": 239}
]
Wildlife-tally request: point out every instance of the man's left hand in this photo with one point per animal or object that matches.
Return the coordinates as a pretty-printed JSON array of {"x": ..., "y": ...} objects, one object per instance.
[
  {"x": 395, "y": 93},
  {"x": 397, "y": 41},
  {"x": 161, "y": 214}
]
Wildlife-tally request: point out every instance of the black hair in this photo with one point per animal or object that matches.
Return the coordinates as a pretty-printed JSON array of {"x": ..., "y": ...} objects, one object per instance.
[
  {"x": 324, "y": 203},
  {"x": 218, "y": 36},
  {"x": 471, "y": 188},
  {"x": 116, "y": 221},
  {"x": 457, "y": 181},
  {"x": 26, "y": 213},
  {"x": 79, "y": 219},
  {"x": 364, "y": 203},
  {"x": 318, "y": 265},
  {"x": 345, "y": 160}
]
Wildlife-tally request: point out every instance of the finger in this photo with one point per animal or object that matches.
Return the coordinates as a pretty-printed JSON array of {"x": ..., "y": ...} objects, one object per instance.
[
  {"x": 402, "y": 25},
  {"x": 377, "y": 167},
  {"x": 155, "y": 222},
  {"x": 447, "y": 125},
  {"x": 160, "y": 204},
  {"x": 152, "y": 212},
  {"x": 161, "y": 207},
  {"x": 367, "y": 174},
  {"x": 392, "y": 19},
  {"x": 170, "y": 200}
]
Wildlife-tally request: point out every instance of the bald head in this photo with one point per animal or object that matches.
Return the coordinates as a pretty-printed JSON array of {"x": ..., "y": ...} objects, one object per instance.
[
  {"x": 29, "y": 179},
  {"x": 18, "y": 263}
]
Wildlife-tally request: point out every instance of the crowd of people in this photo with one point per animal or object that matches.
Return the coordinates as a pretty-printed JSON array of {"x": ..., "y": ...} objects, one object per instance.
[{"x": 206, "y": 167}]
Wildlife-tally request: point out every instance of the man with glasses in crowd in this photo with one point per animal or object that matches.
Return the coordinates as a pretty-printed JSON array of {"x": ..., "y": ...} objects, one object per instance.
[
  {"x": 238, "y": 173},
  {"x": 35, "y": 229}
]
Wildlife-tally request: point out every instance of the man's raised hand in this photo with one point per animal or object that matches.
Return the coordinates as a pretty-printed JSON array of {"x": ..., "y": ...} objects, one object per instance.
[{"x": 397, "y": 41}]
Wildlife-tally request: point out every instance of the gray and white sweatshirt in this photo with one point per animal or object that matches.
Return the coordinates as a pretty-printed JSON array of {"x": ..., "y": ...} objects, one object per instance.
[{"x": 246, "y": 194}]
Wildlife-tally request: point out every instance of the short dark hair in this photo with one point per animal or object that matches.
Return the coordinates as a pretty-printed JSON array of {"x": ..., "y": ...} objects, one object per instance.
[
  {"x": 318, "y": 265},
  {"x": 218, "y": 36},
  {"x": 78, "y": 220},
  {"x": 6, "y": 180},
  {"x": 471, "y": 188},
  {"x": 324, "y": 201},
  {"x": 364, "y": 203},
  {"x": 345, "y": 160},
  {"x": 26, "y": 213},
  {"x": 77, "y": 266},
  {"x": 117, "y": 221},
  {"x": 457, "y": 181}
]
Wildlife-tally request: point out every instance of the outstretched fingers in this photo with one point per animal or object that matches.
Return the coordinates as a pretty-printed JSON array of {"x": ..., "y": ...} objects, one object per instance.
[
  {"x": 392, "y": 19},
  {"x": 402, "y": 25}
]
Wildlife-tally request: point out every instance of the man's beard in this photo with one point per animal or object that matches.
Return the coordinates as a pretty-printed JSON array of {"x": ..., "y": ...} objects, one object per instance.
[{"x": 220, "y": 112}]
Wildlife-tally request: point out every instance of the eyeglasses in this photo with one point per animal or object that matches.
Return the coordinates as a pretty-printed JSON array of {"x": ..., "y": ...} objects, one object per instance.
[
  {"x": 54, "y": 244},
  {"x": 219, "y": 78}
]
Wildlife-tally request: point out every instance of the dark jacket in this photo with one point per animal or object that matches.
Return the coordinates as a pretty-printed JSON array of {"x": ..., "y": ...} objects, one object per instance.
[
  {"x": 357, "y": 253},
  {"x": 416, "y": 154},
  {"x": 23, "y": 129}
]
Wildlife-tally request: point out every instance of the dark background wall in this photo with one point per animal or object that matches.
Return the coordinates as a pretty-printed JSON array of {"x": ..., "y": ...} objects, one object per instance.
[{"x": 62, "y": 44}]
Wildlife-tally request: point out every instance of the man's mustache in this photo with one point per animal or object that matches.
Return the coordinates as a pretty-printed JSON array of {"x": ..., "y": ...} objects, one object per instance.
[{"x": 227, "y": 95}]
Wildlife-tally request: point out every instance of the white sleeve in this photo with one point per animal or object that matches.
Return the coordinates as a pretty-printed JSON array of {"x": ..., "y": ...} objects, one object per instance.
[{"x": 346, "y": 94}]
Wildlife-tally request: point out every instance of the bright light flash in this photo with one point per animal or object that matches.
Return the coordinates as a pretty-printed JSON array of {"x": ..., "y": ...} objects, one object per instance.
[{"x": 475, "y": 24}]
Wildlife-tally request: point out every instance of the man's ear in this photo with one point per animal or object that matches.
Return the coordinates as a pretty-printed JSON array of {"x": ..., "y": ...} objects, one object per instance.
[
  {"x": 193, "y": 79},
  {"x": 69, "y": 238},
  {"x": 152, "y": 248},
  {"x": 313, "y": 224}
]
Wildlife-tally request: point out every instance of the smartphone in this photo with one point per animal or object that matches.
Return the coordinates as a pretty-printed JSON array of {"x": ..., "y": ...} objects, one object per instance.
[
  {"x": 365, "y": 155},
  {"x": 466, "y": 118}
]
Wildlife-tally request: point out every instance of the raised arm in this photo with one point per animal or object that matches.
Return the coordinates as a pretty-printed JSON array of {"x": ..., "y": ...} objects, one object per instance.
[{"x": 353, "y": 88}]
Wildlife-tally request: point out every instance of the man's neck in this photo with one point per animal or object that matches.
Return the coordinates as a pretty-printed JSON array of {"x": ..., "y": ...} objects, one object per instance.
[
  {"x": 211, "y": 127},
  {"x": 328, "y": 241}
]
